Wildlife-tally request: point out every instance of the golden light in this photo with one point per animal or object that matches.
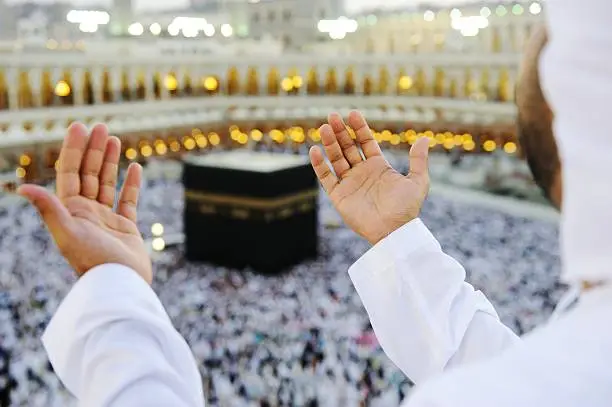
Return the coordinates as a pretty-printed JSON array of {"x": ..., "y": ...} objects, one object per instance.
[
  {"x": 440, "y": 138},
  {"x": 131, "y": 153},
  {"x": 25, "y": 160},
  {"x": 171, "y": 83},
  {"x": 378, "y": 137},
  {"x": 233, "y": 127},
  {"x": 211, "y": 83},
  {"x": 20, "y": 172},
  {"x": 449, "y": 144},
  {"x": 158, "y": 244},
  {"x": 160, "y": 148},
  {"x": 214, "y": 139},
  {"x": 510, "y": 147},
  {"x": 196, "y": 132},
  {"x": 276, "y": 134},
  {"x": 297, "y": 81},
  {"x": 429, "y": 134},
  {"x": 411, "y": 136},
  {"x": 469, "y": 145},
  {"x": 189, "y": 143},
  {"x": 458, "y": 140},
  {"x": 432, "y": 142},
  {"x": 315, "y": 135},
  {"x": 287, "y": 84},
  {"x": 175, "y": 146},
  {"x": 297, "y": 135},
  {"x": 235, "y": 134},
  {"x": 256, "y": 135},
  {"x": 467, "y": 137},
  {"x": 395, "y": 139},
  {"x": 201, "y": 141},
  {"x": 146, "y": 150},
  {"x": 386, "y": 135},
  {"x": 489, "y": 145},
  {"x": 243, "y": 138},
  {"x": 157, "y": 229},
  {"x": 62, "y": 89},
  {"x": 405, "y": 82}
]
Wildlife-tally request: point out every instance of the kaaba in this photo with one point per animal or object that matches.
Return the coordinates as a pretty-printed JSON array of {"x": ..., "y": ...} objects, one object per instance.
[{"x": 250, "y": 209}]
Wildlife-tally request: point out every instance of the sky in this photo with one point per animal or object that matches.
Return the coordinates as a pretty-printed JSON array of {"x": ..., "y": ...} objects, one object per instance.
[{"x": 352, "y": 5}]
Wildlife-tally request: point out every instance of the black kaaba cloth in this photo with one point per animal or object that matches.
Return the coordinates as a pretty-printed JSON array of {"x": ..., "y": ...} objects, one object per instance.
[{"x": 250, "y": 209}]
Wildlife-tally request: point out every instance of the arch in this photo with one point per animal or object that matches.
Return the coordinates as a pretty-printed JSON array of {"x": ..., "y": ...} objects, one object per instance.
[
  {"x": 273, "y": 81},
  {"x": 233, "y": 81},
  {"x": 401, "y": 85},
  {"x": 485, "y": 79},
  {"x": 47, "y": 94},
  {"x": 469, "y": 85},
  {"x": 4, "y": 99},
  {"x": 67, "y": 100},
  {"x": 453, "y": 88},
  {"x": 312, "y": 82},
  {"x": 187, "y": 88},
  {"x": 349, "y": 81},
  {"x": 368, "y": 85},
  {"x": 107, "y": 87},
  {"x": 26, "y": 99},
  {"x": 331, "y": 83},
  {"x": 503, "y": 86},
  {"x": 439, "y": 82},
  {"x": 252, "y": 81},
  {"x": 420, "y": 82},
  {"x": 141, "y": 85},
  {"x": 383, "y": 80},
  {"x": 88, "y": 91},
  {"x": 157, "y": 85},
  {"x": 496, "y": 42},
  {"x": 171, "y": 84},
  {"x": 126, "y": 91}
]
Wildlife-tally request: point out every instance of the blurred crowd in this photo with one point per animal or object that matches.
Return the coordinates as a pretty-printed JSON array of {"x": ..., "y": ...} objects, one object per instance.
[{"x": 300, "y": 339}]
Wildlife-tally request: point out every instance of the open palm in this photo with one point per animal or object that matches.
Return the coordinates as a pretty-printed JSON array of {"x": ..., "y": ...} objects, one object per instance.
[
  {"x": 81, "y": 219},
  {"x": 372, "y": 197}
]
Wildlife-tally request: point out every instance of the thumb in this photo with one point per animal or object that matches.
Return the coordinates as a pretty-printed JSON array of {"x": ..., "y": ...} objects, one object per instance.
[
  {"x": 419, "y": 157},
  {"x": 52, "y": 211}
]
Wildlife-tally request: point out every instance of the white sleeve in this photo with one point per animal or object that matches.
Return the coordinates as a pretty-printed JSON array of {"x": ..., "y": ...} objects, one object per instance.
[
  {"x": 426, "y": 317},
  {"x": 112, "y": 344}
]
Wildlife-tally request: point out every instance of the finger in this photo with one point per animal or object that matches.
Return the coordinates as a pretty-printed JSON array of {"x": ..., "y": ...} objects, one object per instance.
[
  {"x": 109, "y": 172},
  {"x": 52, "y": 211},
  {"x": 325, "y": 175},
  {"x": 419, "y": 157},
  {"x": 128, "y": 198},
  {"x": 333, "y": 151},
  {"x": 71, "y": 156},
  {"x": 365, "y": 138},
  {"x": 349, "y": 149},
  {"x": 92, "y": 162}
]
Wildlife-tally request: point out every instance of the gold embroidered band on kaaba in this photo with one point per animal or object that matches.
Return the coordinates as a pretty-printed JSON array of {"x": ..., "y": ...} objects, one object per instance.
[{"x": 248, "y": 207}]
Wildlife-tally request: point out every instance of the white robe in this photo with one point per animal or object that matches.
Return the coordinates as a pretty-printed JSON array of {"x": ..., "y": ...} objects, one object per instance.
[
  {"x": 112, "y": 344},
  {"x": 429, "y": 321}
]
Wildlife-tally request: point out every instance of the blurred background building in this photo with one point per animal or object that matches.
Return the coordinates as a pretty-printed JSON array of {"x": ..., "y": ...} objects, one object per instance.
[{"x": 219, "y": 75}]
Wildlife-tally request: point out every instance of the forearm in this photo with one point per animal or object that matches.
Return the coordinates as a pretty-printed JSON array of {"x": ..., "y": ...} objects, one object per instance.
[
  {"x": 426, "y": 317},
  {"x": 112, "y": 344}
]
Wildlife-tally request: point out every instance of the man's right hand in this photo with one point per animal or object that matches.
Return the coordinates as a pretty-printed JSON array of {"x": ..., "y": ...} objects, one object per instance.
[
  {"x": 373, "y": 199},
  {"x": 80, "y": 217}
]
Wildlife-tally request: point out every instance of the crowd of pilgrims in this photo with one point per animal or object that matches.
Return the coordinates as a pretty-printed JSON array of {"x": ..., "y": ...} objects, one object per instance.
[{"x": 299, "y": 339}]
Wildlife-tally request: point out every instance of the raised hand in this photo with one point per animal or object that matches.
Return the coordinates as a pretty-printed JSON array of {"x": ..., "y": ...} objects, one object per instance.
[
  {"x": 372, "y": 198},
  {"x": 81, "y": 219}
]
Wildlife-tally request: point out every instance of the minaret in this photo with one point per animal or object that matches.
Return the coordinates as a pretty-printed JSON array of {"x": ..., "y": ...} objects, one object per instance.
[{"x": 122, "y": 16}]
